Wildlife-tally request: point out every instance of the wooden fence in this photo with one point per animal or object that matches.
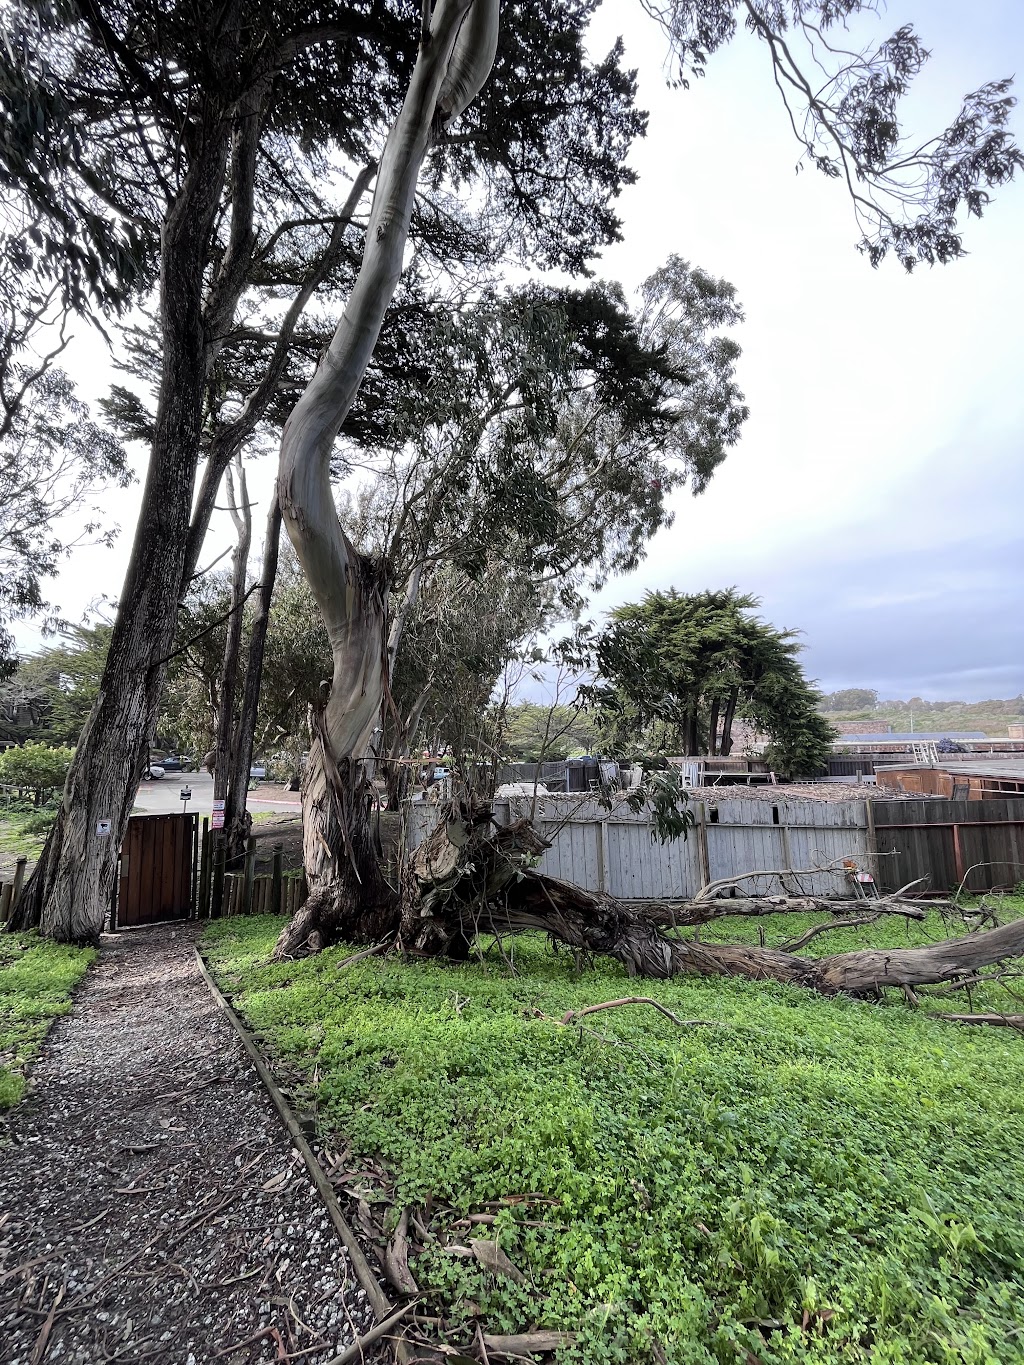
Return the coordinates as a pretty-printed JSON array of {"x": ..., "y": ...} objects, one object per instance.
[
  {"x": 616, "y": 850},
  {"x": 232, "y": 890},
  {"x": 10, "y": 891}
]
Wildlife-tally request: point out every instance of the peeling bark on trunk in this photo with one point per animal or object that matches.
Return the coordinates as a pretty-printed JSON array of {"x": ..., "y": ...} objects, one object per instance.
[
  {"x": 349, "y": 897},
  {"x": 454, "y": 60}
]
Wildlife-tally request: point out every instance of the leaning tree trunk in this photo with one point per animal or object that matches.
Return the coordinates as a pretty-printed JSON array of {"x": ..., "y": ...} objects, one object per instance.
[
  {"x": 347, "y": 890},
  {"x": 72, "y": 886},
  {"x": 238, "y": 505}
]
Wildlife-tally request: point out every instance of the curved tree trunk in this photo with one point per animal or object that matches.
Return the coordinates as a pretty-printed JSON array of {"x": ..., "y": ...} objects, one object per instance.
[{"x": 453, "y": 62}]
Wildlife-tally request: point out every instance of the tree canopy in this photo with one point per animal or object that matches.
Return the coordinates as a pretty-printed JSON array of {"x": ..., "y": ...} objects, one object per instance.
[
  {"x": 54, "y": 462},
  {"x": 676, "y": 671}
]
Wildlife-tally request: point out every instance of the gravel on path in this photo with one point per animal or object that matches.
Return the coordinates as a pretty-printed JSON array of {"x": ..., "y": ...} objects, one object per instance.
[{"x": 152, "y": 1207}]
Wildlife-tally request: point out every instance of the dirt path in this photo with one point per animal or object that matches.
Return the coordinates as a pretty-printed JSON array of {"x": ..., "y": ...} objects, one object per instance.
[{"x": 151, "y": 1206}]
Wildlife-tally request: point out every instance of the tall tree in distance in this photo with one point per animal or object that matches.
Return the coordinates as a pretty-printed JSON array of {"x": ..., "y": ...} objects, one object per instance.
[{"x": 677, "y": 669}]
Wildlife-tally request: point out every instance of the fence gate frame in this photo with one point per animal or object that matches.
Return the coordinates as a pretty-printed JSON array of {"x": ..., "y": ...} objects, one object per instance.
[{"x": 156, "y": 879}]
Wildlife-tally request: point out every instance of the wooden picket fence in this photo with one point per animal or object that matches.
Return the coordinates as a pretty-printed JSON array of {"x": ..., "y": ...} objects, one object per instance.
[
  {"x": 224, "y": 891},
  {"x": 264, "y": 896}
]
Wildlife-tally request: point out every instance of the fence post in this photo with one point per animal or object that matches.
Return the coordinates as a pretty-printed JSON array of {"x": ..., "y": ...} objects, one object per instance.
[
  {"x": 203, "y": 909},
  {"x": 872, "y": 842},
  {"x": 220, "y": 854},
  {"x": 5, "y": 901},
  {"x": 702, "y": 844},
  {"x": 250, "y": 872},
  {"x": 275, "y": 903}
]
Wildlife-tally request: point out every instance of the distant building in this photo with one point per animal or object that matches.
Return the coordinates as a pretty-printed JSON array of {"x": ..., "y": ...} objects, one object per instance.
[{"x": 968, "y": 779}]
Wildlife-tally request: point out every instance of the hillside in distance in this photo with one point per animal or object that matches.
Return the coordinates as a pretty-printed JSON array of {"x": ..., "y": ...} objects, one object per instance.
[{"x": 863, "y": 704}]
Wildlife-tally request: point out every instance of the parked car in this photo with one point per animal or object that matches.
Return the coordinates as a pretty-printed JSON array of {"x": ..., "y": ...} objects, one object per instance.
[
  {"x": 153, "y": 772},
  {"x": 258, "y": 770},
  {"x": 171, "y": 763}
]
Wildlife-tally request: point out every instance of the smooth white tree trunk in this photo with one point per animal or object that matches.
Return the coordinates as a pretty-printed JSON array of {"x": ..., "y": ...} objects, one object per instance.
[{"x": 454, "y": 60}]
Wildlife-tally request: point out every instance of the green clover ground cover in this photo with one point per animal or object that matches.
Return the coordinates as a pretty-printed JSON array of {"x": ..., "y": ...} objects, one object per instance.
[
  {"x": 36, "y": 981},
  {"x": 813, "y": 1180}
]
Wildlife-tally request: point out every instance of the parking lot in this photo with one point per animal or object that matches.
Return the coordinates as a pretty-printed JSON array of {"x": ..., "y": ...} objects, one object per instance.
[{"x": 162, "y": 795}]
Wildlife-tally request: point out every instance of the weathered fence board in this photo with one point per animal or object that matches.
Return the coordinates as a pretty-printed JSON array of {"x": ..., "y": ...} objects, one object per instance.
[
  {"x": 979, "y": 844},
  {"x": 898, "y": 841},
  {"x": 614, "y": 850}
]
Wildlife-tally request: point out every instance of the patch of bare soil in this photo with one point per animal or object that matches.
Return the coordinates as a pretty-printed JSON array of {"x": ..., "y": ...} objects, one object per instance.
[
  {"x": 152, "y": 1208},
  {"x": 286, "y": 830}
]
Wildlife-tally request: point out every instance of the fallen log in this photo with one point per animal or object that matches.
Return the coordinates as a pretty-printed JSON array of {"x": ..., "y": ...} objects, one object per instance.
[
  {"x": 691, "y": 913},
  {"x": 998, "y": 1020},
  {"x": 470, "y": 877}
]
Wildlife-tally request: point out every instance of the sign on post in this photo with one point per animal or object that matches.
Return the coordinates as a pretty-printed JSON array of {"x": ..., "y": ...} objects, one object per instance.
[{"x": 217, "y": 815}]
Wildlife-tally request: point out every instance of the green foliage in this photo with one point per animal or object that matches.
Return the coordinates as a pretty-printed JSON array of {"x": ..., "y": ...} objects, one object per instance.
[
  {"x": 531, "y": 732},
  {"x": 676, "y": 669},
  {"x": 55, "y": 688},
  {"x": 808, "y": 1180},
  {"x": 36, "y": 766},
  {"x": 36, "y": 981},
  {"x": 54, "y": 461},
  {"x": 850, "y": 699}
]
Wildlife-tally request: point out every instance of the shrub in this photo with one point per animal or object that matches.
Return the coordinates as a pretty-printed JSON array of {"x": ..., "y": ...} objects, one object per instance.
[{"x": 36, "y": 766}]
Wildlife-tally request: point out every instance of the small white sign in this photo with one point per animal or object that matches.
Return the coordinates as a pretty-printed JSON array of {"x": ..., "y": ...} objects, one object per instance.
[
  {"x": 218, "y": 805},
  {"x": 217, "y": 819},
  {"x": 103, "y": 828}
]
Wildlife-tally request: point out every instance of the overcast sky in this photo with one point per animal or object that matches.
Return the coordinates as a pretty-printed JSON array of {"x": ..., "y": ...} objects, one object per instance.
[{"x": 874, "y": 501}]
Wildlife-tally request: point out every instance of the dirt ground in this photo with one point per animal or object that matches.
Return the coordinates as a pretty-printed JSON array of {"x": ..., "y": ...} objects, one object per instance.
[{"x": 152, "y": 1208}]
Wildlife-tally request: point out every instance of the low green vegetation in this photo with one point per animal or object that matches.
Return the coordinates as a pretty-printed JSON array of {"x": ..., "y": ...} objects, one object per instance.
[
  {"x": 36, "y": 981},
  {"x": 798, "y": 1179},
  {"x": 22, "y": 833}
]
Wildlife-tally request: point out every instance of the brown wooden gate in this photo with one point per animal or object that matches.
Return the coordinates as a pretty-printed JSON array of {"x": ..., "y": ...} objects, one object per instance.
[{"x": 157, "y": 876}]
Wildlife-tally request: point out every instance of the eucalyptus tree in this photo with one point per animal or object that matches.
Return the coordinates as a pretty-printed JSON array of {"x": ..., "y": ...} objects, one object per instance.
[
  {"x": 169, "y": 147},
  {"x": 907, "y": 200}
]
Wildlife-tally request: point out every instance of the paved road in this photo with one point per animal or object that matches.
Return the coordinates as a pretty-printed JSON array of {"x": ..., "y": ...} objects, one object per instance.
[{"x": 162, "y": 796}]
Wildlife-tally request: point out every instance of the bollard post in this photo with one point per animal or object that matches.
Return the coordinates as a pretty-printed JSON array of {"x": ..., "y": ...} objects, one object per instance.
[{"x": 275, "y": 895}]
